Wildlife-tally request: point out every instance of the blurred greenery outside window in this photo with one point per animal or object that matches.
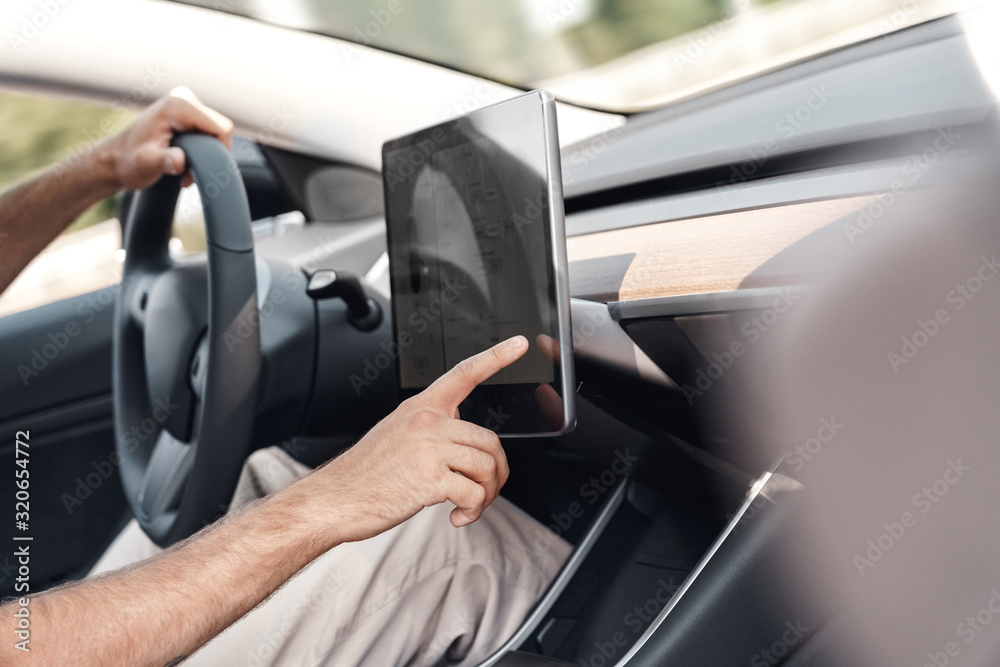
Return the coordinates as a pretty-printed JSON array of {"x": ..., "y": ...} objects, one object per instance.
[{"x": 36, "y": 132}]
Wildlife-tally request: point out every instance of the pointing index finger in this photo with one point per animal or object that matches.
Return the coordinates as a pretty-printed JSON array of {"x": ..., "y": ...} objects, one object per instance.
[{"x": 454, "y": 386}]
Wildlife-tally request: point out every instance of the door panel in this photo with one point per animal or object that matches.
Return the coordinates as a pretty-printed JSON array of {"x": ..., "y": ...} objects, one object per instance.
[
  {"x": 55, "y": 384},
  {"x": 56, "y": 355}
]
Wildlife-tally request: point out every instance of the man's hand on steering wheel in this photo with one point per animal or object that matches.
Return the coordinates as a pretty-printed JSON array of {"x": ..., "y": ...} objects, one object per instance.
[
  {"x": 38, "y": 209},
  {"x": 409, "y": 460},
  {"x": 141, "y": 153}
]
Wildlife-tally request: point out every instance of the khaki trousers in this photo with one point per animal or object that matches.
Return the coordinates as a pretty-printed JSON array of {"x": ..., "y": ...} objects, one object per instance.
[{"x": 423, "y": 593}]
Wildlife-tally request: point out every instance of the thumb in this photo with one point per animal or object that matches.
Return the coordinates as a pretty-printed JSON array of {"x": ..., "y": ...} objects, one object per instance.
[
  {"x": 459, "y": 518},
  {"x": 173, "y": 161}
]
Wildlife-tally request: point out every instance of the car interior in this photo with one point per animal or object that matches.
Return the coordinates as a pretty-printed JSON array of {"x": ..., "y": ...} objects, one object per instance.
[{"x": 691, "y": 229}]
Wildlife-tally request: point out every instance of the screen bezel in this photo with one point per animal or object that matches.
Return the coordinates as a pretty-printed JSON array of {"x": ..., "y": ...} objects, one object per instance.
[{"x": 558, "y": 267}]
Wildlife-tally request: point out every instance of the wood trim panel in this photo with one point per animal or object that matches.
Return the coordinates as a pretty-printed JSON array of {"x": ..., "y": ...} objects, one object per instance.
[{"x": 768, "y": 247}]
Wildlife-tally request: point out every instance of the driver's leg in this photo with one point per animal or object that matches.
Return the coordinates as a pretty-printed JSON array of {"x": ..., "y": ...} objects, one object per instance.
[
  {"x": 264, "y": 472},
  {"x": 422, "y": 593}
]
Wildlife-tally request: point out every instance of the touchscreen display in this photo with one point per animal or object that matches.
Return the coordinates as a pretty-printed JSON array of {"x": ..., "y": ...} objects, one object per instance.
[{"x": 473, "y": 259}]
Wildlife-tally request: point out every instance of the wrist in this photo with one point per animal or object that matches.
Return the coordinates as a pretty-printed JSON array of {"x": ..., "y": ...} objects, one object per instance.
[
  {"x": 102, "y": 165},
  {"x": 316, "y": 521}
]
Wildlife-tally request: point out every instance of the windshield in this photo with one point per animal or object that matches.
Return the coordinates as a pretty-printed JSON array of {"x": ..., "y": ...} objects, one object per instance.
[{"x": 617, "y": 55}]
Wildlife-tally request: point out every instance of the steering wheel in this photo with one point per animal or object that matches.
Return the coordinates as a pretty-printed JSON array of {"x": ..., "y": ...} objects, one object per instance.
[{"x": 186, "y": 351}]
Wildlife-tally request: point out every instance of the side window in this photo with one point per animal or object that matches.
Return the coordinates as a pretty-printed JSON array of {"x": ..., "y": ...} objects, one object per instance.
[{"x": 37, "y": 131}]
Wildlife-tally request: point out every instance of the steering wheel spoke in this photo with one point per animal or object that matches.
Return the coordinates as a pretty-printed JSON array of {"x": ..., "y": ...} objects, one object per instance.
[
  {"x": 166, "y": 473},
  {"x": 136, "y": 296}
]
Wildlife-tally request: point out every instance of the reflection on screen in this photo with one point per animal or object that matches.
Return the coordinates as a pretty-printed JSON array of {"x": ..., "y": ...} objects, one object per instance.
[{"x": 471, "y": 251}]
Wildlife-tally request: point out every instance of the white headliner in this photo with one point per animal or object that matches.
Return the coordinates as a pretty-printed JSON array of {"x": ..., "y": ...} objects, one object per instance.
[{"x": 301, "y": 91}]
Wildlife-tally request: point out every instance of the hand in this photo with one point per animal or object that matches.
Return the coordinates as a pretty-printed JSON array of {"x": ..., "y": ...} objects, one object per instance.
[
  {"x": 410, "y": 459},
  {"x": 141, "y": 153}
]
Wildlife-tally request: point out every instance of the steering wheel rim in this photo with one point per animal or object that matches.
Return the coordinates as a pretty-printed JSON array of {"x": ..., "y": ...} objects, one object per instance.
[{"x": 186, "y": 351}]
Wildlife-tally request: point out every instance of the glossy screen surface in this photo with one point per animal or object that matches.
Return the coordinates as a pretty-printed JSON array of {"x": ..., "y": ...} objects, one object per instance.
[{"x": 471, "y": 258}]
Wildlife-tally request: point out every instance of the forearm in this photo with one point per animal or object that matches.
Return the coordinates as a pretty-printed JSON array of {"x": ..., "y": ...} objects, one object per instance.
[
  {"x": 36, "y": 210},
  {"x": 169, "y": 606}
]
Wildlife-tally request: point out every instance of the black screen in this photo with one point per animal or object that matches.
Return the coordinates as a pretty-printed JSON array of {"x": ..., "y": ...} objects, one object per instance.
[{"x": 471, "y": 258}]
